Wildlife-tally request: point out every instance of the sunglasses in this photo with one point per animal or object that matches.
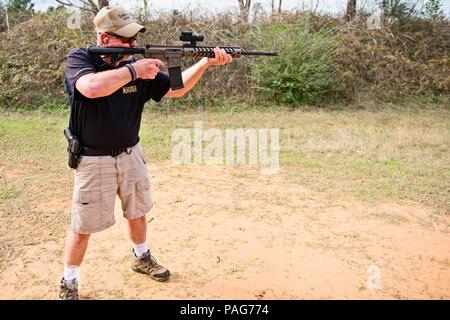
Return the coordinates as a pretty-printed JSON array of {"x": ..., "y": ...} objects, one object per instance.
[{"x": 129, "y": 40}]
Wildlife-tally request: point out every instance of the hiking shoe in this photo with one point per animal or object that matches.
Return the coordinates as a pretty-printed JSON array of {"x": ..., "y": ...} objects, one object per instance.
[
  {"x": 68, "y": 289},
  {"x": 148, "y": 265}
]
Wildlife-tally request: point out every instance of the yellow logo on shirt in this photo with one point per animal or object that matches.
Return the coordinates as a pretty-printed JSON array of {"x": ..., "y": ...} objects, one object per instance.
[{"x": 130, "y": 89}]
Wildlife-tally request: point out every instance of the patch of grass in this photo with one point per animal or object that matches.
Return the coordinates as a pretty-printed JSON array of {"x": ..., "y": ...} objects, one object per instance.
[
  {"x": 375, "y": 155},
  {"x": 390, "y": 218},
  {"x": 293, "y": 157},
  {"x": 397, "y": 296},
  {"x": 7, "y": 192},
  {"x": 33, "y": 169}
]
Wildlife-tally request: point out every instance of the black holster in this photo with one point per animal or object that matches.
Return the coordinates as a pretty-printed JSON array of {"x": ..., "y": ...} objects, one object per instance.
[{"x": 73, "y": 149}]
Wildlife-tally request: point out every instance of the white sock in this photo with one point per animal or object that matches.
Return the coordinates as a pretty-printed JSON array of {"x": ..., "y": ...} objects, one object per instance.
[
  {"x": 71, "y": 272},
  {"x": 140, "y": 249}
]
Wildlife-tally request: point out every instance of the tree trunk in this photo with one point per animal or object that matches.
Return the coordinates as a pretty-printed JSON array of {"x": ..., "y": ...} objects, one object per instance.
[
  {"x": 103, "y": 3},
  {"x": 279, "y": 5},
  {"x": 244, "y": 9},
  {"x": 7, "y": 18},
  {"x": 351, "y": 10},
  {"x": 146, "y": 12}
]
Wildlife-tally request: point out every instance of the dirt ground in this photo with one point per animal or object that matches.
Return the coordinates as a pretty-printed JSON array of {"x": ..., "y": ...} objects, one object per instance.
[{"x": 231, "y": 233}]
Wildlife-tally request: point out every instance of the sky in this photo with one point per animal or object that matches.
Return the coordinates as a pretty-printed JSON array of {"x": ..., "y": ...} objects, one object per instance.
[
  {"x": 213, "y": 5},
  {"x": 329, "y": 6}
]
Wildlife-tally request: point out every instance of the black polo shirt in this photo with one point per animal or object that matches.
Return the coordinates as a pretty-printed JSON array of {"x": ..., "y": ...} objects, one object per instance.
[{"x": 112, "y": 121}]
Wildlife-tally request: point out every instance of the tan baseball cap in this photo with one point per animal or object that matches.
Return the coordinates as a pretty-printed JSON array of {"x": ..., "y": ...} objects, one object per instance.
[{"x": 118, "y": 21}]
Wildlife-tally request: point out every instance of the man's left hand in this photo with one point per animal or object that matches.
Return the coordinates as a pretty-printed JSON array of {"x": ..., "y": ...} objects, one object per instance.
[{"x": 221, "y": 58}]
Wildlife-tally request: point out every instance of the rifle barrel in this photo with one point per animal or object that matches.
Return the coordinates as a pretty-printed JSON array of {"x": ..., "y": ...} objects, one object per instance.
[{"x": 259, "y": 53}]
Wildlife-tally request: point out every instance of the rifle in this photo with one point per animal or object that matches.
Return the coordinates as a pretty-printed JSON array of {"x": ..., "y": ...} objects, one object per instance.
[{"x": 173, "y": 54}]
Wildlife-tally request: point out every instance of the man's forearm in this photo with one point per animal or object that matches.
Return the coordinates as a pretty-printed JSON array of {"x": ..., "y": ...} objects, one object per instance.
[{"x": 102, "y": 84}]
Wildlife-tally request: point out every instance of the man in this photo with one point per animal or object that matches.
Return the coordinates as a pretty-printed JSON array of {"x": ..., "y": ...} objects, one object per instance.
[{"x": 106, "y": 107}]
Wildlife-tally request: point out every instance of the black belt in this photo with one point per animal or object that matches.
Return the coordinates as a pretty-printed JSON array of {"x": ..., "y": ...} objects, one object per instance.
[{"x": 85, "y": 151}]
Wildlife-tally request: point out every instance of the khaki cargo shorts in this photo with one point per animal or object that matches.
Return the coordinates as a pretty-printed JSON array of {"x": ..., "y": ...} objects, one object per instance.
[{"x": 97, "y": 182}]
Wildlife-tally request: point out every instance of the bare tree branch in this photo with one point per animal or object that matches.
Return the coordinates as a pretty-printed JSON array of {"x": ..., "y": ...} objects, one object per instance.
[
  {"x": 316, "y": 6},
  {"x": 70, "y": 4},
  {"x": 88, "y": 5}
]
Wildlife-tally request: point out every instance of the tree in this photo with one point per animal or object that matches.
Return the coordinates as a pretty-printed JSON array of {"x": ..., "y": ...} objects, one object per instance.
[
  {"x": 399, "y": 9},
  {"x": 244, "y": 9},
  {"x": 3, "y": 18},
  {"x": 16, "y": 11},
  {"x": 404, "y": 9},
  {"x": 86, "y": 5},
  {"x": 20, "y": 5},
  {"x": 280, "y": 2},
  {"x": 433, "y": 9},
  {"x": 350, "y": 12},
  {"x": 17, "y": 7},
  {"x": 146, "y": 12}
]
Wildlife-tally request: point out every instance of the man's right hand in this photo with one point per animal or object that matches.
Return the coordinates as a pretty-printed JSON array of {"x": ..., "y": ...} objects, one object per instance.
[{"x": 147, "y": 68}]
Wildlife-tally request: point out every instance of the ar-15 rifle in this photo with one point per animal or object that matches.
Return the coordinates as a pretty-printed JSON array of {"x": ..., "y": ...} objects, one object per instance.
[{"x": 173, "y": 54}]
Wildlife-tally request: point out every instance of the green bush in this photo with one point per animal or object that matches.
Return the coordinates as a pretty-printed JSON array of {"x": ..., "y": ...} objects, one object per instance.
[
  {"x": 32, "y": 60},
  {"x": 302, "y": 73}
]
